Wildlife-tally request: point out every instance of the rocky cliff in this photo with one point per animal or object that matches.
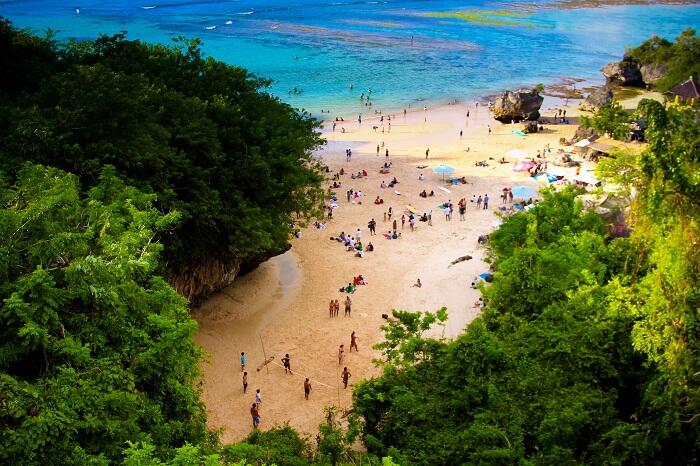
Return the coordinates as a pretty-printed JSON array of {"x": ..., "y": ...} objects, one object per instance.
[{"x": 199, "y": 281}]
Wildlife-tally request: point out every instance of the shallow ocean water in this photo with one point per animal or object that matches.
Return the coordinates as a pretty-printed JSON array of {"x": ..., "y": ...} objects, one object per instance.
[{"x": 322, "y": 46}]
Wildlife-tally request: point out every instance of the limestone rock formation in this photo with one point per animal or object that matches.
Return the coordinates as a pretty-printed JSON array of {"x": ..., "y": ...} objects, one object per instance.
[
  {"x": 653, "y": 72},
  {"x": 597, "y": 99},
  {"x": 523, "y": 104},
  {"x": 623, "y": 73}
]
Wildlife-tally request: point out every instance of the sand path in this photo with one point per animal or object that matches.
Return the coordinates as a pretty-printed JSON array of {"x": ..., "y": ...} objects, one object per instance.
[{"x": 284, "y": 302}]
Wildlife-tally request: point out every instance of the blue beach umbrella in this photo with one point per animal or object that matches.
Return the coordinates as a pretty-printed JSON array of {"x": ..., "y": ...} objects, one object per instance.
[
  {"x": 444, "y": 170},
  {"x": 523, "y": 191},
  {"x": 545, "y": 178}
]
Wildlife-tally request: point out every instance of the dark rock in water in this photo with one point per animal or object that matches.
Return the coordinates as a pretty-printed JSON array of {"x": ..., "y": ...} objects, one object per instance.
[
  {"x": 624, "y": 73},
  {"x": 653, "y": 72},
  {"x": 517, "y": 106},
  {"x": 597, "y": 99},
  {"x": 530, "y": 127}
]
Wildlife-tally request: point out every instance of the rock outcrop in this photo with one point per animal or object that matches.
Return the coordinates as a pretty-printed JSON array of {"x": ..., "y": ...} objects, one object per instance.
[
  {"x": 653, "y": 72},
  {"x": 199, "y": 281},
  {"x": 517, "y": 106},
  {"x": 582, "y": 133},
  {"x": 597, "y": 99},
  {"x": 530, "y": 127},
  {"x": 624, "y": 73}
]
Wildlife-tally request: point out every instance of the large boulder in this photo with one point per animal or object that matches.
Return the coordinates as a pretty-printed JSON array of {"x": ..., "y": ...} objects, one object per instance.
[
  {"x": 530, "y": 127},
  {"x": 597, "y": 99},
  {"x": 582, "y": 132},
  {"x": 653, "y": 72},
  {"x": 624, "y": 73},
  {"x": 523, "y": 104}
]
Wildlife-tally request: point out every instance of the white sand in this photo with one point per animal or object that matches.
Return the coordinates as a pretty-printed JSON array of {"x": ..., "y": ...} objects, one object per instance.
[{"x": 285, "y": 301}]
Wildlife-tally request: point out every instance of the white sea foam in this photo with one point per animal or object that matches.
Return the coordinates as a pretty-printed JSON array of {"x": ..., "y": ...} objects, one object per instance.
[
  {"x": 229, "y": 22},
  {"x": 150, "y": 7},
  {"x": 210, "y": 27}
]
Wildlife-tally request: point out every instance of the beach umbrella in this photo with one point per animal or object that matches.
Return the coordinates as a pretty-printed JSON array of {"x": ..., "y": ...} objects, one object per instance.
[
  {"x": 523, "y": 191},
  {"x": 444, "y": 170},
  {"x": 516, "y": 153},
  {"x": 545, "y": 178},
  {"x": 523, "y": 166}
]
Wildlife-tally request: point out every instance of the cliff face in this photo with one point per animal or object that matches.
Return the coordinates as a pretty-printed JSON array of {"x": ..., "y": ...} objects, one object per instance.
[{"x": 199, "y": 281}]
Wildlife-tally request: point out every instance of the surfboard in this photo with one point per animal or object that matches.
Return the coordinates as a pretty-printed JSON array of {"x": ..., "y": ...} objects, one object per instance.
[{"x": 445, "y": 189}]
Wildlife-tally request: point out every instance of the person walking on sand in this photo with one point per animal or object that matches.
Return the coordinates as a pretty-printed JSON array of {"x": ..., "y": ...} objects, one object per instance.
[
  {"x": 403, "y": 220},
  {"x": 345, "y": 376},
  {"x": 242, "y": 361},
  {"x": 372, "y": 225},
  {"x": 478, "y": 203},
  {"x": 386, "y": 154},
  {"x": 486, "y": 201},
  {"x": 307, "y": 388},
  {"x": 427, "y": 152},
  {"x": 391, "y": 212},
  {"x": 353, "y": 342},
  {"x": 348, "y": 306},
  {"x": 287, "y": 364},
  {"x": 341, "y": 354},
  {"x": 255, "y": 415},
  {"x": 245, "y": 382},
  {"x": 258, "y": 398}
]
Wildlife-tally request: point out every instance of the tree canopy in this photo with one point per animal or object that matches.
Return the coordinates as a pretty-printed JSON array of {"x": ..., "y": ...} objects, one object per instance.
[
  {"x": 96, "y": 349},
  {"x": 202, "y": 135}
]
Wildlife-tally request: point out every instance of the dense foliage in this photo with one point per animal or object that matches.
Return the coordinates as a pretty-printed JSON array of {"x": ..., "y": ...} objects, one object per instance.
[
  {"x": 587, "y": 351},
  {"x": 200, "y": 134},
  {"x": 95, "y": 349},
  {"x": 610, "y": 119},
  {"x": 681, "y": 57}
]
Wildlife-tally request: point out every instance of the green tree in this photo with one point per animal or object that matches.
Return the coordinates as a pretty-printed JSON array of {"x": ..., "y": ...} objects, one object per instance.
[
  {"x": 205, "y": 137},
  {"x": 95, "y": 349},
  {"x": 610, "y": 119}
]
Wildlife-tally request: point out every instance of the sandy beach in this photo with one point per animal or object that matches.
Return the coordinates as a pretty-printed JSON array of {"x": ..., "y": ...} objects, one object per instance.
[{"x": 283, "y": 305}]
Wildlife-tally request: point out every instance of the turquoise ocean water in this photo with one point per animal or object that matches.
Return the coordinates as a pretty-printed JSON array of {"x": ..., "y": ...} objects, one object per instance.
[{"x": 321, "y": 46}]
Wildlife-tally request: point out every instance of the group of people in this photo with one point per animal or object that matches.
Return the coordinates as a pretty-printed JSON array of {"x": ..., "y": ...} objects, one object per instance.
[
  {"x": 391, "y": 184},
  {"x": 480, "y": 201},
  {"x": 334, "y": 307}
]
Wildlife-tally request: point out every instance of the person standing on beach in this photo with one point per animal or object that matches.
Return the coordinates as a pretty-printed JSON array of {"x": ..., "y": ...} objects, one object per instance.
[
  {"x": 287, "y": 364},
  {"x": 427, "y": 152},
  {"x": 467, "y": 113},
  {"x": 258, "y": 398},
  {"x": 372, "y": 225},
  {"x": 377, "y": 149},
  {"x": 394, "y": 226},
  {"x": 331, "y": 308},
  {"x": 391, "y": 212},
  {"x": 307, "y": 388},
  {"x": 489, "y": 129},
  {"x": 245, "y": 382},
  {"x": 386, "y": 154},
  {"x": 341, "y": 354},
  {"x": 430, "y": 218},
  {"x": 353, "y": 342},
  {"x": 255, "y": 415},
  {"x": 478, "y": 203},
  {"x": 348, "y": 306},
  {"x": 345, "y": 376},
  {"x": 412, "y": 222},
  {"x": 403, "y": 220},
  {"x": 242, "y": 361},
  {"x": 486, "y": 201},
  {"x": 460, "y": 133},
  {"x": 510, "y": 195},
  {"x": 337, "y": 308}
]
